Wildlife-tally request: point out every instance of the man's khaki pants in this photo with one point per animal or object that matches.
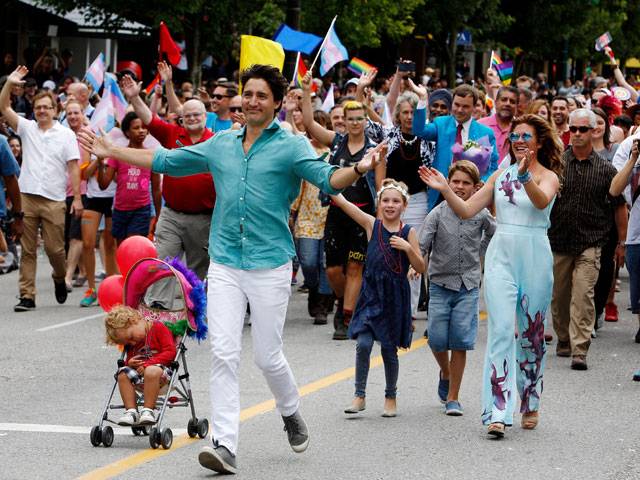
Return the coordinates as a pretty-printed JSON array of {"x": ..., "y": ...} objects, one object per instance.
[
  {"x": 572, "y": 306},
  {"x": 49, "y": 214}
]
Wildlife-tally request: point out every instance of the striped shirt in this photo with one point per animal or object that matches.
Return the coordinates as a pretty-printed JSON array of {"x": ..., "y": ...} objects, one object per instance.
[
  {"x": 582, "y": 215},
  {"x": 456, "y": 246}
]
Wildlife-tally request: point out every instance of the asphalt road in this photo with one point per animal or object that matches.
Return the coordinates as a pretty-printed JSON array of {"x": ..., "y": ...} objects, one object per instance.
[{"x": 56, "y": 375}]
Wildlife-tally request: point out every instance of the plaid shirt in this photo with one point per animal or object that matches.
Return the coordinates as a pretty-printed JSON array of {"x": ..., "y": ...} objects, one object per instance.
[
  {"x": 456, "y": 246},
  {"x": 582, "y": 215}
]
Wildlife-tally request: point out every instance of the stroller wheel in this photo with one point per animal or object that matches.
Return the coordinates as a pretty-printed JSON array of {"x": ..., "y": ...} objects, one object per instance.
[
  {"x": 107, "y": 436},
  {"x": 192, "y": 427},
  {"x": 95, "y": 436},
  {"x": 154, "y": 438},
  {"x": 137, "y": 431},
  {"x": 203, "y": 427},
  {"x": 166, "y": 438}
]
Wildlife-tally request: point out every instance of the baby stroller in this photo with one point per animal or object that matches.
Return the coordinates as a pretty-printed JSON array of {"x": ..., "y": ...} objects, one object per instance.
[{"x": 186, "y": 321}]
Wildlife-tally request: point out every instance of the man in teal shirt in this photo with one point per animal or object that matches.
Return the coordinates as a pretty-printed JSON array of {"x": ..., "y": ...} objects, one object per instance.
[{"x": 258, "y": 172}]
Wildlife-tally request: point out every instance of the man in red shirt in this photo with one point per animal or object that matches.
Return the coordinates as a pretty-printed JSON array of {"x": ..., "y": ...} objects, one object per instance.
[{"x": 183, "y": 226}]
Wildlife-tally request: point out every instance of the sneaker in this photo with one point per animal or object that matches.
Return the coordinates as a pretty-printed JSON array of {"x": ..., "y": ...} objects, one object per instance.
[
  {"x": 579, "y": 362},
  {"x": 443, "y": 389},
  {"x": 610, "y": 312},
  {"x": 129, "y": 418},
  {"x": 25, "y": 305},
  {"x": 60, "y": 291},
  {"x": 453, "y": 408},
  {"x": 147, "y": 417},
  {"x": 340, "y": 332},
  {"x": 90, "y": 298},
  {"x": 297, "y": 432},
  {"x": 219, "y": 459}
]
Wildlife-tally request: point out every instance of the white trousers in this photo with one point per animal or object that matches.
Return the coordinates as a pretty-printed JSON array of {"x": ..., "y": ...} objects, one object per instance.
[
  {"x": 267, "y": 292},
  {"x": 414, "y": 216}
]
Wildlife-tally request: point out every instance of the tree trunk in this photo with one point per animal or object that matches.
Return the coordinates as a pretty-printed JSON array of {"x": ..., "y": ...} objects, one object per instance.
[
  {"x": 196, "y": 61},
  {"x": 292, "y": 19},
  {"x": 452, "y": 50}
]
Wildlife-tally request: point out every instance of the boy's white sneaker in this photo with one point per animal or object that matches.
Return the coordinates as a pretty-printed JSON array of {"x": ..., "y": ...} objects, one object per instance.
[
  {"x": 129, "y": 418},
  {"x": 147, "y": 417}
]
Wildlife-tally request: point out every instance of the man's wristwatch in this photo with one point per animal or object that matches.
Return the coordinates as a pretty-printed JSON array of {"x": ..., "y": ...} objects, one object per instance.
[
  {"x": 355, "y": 169},
  {"x": 18, "y": 215}
]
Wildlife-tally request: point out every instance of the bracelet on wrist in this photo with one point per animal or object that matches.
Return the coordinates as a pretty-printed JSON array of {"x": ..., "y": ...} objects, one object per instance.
[
  {"x": 358, "y": 172},
  {"x": 525, "y": 177}
]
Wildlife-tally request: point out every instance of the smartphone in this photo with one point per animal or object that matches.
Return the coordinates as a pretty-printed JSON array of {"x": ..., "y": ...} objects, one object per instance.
[{"x": 406, "y": 66}]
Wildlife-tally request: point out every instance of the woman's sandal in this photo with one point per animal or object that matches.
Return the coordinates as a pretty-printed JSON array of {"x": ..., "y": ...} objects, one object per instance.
[
  {"x": 496, "y": 429},
  {"x": 529, "y": 420}
]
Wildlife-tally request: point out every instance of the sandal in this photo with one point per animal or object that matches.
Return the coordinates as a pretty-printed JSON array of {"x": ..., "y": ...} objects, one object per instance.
[
  {"x": 529, "y": 420},
  {"x": 496, "y": 429}
]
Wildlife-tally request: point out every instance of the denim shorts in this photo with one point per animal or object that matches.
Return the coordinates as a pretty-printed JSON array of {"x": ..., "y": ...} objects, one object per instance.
[
  {"x": 126, "y": 223},
  {"x": 453, "y": 318}
]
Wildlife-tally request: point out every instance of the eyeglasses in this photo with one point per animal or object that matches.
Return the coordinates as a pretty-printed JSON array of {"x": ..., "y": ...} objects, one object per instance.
[
  {"x": 574, "y": 129},
  {"x": 217, "y": 96},
  {"x": 235, "y": 109},
  {"x": 525, "y": 137},
  {"x": 354, "y": 119}
]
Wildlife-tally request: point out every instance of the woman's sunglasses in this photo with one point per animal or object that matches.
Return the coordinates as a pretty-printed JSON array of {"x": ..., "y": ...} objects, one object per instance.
[{"x": 514, "y": 137}]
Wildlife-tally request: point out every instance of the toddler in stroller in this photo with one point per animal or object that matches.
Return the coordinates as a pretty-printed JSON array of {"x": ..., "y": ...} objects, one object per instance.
[{"x": 152, "y": 370}]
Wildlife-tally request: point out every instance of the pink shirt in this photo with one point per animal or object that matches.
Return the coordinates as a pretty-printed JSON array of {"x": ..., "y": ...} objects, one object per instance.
[
  {"x": 502, "y": 136},
  {"x": 132, "y": 186}
]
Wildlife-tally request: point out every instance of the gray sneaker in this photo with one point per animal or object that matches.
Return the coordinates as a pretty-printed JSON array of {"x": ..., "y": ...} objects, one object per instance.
[
  {"x": 219, "y": 459},
  {"x": 297, "y": 432}
]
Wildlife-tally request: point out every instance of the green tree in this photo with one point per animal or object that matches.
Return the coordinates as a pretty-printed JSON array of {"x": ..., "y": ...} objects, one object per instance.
[{"x": 442, "y": 20}]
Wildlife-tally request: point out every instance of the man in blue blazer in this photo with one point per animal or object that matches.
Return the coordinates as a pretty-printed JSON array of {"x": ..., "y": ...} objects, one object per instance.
[{"x": 451, "y": 129}]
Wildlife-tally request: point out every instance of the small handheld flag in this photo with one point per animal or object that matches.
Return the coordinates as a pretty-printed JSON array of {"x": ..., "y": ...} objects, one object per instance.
[
  {"x": 359, "y": 67},
  {"x": 95, "y": 73},
  {"x": 602, "y": 41}
]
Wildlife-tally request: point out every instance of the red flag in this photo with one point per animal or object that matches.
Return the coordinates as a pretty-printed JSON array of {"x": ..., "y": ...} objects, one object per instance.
[{"x": 168, "y": 46}]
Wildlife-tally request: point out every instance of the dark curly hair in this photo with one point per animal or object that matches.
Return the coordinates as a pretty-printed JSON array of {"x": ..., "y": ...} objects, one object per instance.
[
  {"x": 550, "y": 153},
  {"x": 125, "y": 124},
  {"x": 276, "y": 81}
]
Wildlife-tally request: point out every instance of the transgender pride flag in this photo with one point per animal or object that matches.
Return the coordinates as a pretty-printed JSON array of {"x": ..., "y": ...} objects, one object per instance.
[
  {"x": 332, "y": 52},
  {"x": 95, "y": 74},
  {"x": 112, "y": 106}
]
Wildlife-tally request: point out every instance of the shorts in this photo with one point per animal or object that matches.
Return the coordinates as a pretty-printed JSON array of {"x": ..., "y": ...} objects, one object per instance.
[
  {"x": 138, "y": 380},
  {"x": 126, "y": 223},
  {"x": 103, "y": 205},
  {"x": 345, "y": 240},
  {"x": 72, "y": 229},
  {"x": 453, "y": 318}
]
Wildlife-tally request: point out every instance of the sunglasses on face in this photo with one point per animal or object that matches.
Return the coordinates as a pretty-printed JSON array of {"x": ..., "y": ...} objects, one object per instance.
[
  {"x": 574, "y": 129},
  {"x": 217, "y": 96},
  {"x": 525, "y": 137},
  {"x": 235, "y": 109}
]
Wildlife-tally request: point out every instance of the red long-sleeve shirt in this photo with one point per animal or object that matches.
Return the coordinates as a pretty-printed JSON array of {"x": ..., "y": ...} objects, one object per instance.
[{"x": 159, "y": 347}]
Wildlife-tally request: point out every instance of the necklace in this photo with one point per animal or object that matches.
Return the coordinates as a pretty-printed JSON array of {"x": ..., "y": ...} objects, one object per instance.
[
  {"x": 404, "y": 141},
  {"x": 391, "y": 259}
]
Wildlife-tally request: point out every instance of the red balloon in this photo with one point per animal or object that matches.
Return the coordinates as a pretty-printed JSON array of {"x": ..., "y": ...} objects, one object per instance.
[
  {"x": 133, "y": 249},
  {"x": 110, "y": 292}
]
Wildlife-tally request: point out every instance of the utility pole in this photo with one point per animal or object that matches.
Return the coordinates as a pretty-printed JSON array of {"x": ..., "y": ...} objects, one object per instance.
[{"x": 292, "y": 19}]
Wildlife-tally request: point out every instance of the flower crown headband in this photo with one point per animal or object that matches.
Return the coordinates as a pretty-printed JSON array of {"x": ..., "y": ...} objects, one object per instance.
[{"x": 390, "y": 186}]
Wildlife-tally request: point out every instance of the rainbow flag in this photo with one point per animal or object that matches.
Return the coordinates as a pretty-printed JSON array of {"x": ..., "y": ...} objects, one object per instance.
[
  {"x": 504, "y": 69},
  {"x": 359, "y": 67},
  {"x": 301, "y": 71}
]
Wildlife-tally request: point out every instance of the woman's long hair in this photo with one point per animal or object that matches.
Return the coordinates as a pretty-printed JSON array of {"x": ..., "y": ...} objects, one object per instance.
[
  {"x": 606, "y": 139},
  {"x": 550, "y": 153}
]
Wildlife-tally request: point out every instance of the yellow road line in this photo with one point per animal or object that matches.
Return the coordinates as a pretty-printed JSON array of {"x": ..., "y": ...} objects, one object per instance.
[{"x": 132, "y": 461}]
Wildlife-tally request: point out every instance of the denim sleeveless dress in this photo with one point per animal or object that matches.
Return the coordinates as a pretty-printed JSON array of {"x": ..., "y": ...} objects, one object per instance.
[{"x": 384, "y": 305}]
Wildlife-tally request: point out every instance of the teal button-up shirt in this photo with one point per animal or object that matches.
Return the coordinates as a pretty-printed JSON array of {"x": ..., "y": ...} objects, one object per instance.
[{"x": 254, "y": 191}]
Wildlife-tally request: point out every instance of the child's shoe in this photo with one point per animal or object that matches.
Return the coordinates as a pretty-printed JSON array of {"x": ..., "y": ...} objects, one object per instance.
[
  {"x": 147, "y": 417},
  {"x": 443, "y": 389},
  {"x": 129, "y": 418},
  {"x": 453, "y": 408},
  {"x": 90, "y": 298}
]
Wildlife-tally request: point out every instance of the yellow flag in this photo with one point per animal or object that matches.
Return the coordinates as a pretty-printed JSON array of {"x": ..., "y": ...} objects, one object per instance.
[{"x": 257, "y": 50}]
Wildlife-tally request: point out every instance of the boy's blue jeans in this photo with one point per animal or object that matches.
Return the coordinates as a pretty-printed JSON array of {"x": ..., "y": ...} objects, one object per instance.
[
  {"x": 363, "y": 357},
  {"x": 311, "y": 257}
]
